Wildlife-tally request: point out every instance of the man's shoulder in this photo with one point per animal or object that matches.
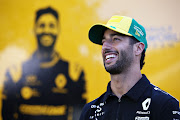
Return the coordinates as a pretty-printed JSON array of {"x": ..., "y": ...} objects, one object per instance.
[
  {"x": 91, "y": 105},
  {"x": 88, "y": 105},
  {"x": 159, "y": 93},
  {"x": 95, "y": 102},
  {"x": 164, "y": 105},
  {"x": 161, "y": 97}
]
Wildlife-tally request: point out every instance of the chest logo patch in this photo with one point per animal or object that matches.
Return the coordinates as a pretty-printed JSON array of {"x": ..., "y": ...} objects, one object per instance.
[
  {"x": 32, "y": 80},
  {"x": 98, "y": 112},
  {"x": 60, "y": 81},
  {"x": 27, "y": 93},
  {"x": 146, "y": 104}
]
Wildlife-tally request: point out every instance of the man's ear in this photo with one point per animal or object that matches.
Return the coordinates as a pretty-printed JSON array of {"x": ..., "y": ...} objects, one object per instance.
[{"x": 139, "y": 47}]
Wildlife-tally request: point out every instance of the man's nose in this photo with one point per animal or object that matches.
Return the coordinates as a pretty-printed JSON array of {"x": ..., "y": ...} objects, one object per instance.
[
  {"x": 107, "y": 45},
  {"x": 47, "y": 29}
]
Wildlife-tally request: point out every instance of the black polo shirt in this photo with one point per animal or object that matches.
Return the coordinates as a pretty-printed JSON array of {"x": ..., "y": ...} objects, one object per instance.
[{"x": 143, "y": 101}]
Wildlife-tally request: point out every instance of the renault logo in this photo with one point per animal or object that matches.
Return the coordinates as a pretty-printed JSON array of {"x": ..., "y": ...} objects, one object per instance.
[{"x": 146, "y": 104}]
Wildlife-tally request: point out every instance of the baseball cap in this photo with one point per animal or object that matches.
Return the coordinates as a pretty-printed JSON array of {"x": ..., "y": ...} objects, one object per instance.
[{"x": 121, "y": 24}]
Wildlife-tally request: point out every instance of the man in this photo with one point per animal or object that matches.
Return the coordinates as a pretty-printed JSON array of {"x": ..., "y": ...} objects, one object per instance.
[
  {"x": 44, "y": 89},
  {"x": 129, "y": 95}
]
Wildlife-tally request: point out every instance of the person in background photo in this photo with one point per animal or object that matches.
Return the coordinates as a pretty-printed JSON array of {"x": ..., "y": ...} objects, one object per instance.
[
  {"x": 129, "y": 95},
  {"x": 43, "y": 89}
]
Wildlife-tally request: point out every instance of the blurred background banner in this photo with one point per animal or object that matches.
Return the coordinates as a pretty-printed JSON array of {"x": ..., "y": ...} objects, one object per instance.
[{"x": 18, "y": 41}]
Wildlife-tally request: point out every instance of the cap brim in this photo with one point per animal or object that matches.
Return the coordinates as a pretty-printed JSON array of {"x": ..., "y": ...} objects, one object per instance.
[{"x": 96, "y": 33}]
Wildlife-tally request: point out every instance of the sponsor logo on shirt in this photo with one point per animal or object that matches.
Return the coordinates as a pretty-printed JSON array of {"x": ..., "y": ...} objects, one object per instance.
[
  {"x": 142, "y": 112},
  {"x": 158, "y": 89},
  {"x": 49, "y": 110},
  {"x": 141, "y": 118},
  {"x": 98, "y": 111},
  {"x": 31, "y": 80},
  {"x": 28, "y": 92},
  {"x": 146, "y": 104},
  {"x": 176, "y": 112}
]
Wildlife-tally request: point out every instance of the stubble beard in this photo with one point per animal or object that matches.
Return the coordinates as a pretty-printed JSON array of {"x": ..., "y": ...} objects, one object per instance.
[
  {"x": 122, "y": 64},
  {"x": 44, "y": 48}
]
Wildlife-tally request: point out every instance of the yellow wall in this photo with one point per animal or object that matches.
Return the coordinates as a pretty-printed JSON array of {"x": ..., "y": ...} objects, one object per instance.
[{"x": 17, "y": 40}]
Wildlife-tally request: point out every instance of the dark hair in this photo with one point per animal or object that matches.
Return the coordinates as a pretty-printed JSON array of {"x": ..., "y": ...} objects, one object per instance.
[
  {"x": 133, "y": 41},
  {"x": 45, "y": 11}
]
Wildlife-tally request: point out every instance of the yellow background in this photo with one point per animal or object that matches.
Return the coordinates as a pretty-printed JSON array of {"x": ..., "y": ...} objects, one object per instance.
[{"x": 18, "y": 42}]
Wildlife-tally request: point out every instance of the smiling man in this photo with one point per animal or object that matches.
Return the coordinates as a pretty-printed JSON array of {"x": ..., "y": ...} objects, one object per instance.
[
  {"x": 44, "y": 89},
  {"x": 129, "y": 95},
  {"x": 46, "y": 30}
]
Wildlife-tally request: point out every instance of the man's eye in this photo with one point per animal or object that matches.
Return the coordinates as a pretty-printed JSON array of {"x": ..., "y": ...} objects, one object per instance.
[
  {"x": 42, "y": 25},
  {"x": 51, "y": 25},
  {"x": 116, "y": 39}
]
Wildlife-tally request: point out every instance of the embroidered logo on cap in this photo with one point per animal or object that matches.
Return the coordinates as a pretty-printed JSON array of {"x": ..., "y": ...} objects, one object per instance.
[
  {"x": 113, "y": 27},
  {"x": 138, "y": 30}
]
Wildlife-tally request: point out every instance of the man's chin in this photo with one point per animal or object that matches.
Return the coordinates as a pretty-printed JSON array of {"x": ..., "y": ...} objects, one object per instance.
[
  {"x": 110, "y": 66},
  {"x": 112, "y": 70},
  {"x": 46, "y": 46}
]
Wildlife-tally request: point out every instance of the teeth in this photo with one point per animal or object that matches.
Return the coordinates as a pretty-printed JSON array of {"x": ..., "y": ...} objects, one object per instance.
[{"x": 110, "y": 56}]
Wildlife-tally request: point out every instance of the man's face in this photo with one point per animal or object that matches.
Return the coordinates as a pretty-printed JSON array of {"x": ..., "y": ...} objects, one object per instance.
[
  {"x": 117, "y": 53},
  {"x": 46, "y": 30}
]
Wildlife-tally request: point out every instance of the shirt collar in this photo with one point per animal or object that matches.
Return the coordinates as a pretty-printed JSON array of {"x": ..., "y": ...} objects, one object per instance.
[
  {"x": 138, "y": 89},
  {"x": 134, "y": 93},
  {"x": 108, "y": 92}
]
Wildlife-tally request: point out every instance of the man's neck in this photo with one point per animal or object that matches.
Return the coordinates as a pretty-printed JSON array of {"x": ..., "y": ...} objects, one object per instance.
[
  {"x": 45, "y": 54},
  {"x": 122, "y": 83}
]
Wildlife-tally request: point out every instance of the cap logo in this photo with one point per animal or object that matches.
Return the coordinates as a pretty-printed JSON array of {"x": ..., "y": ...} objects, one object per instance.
[
  {"x": 138, "y": 30},
  {"x": 136, "y": 33},
  {"x": 113, "y": 27}
]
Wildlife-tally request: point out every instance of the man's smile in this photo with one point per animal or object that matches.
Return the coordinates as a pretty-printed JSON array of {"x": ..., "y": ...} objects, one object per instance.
[{"x": 109, "y": 57}]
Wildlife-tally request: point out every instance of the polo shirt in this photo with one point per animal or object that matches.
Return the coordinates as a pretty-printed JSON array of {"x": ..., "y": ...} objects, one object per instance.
[{"x": 143, "y": 101}]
